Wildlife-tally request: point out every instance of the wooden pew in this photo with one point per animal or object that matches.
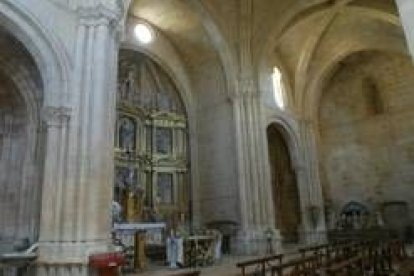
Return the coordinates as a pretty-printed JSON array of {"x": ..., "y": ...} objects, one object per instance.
[
  {"x": 314, "y": 259},
  {"x": 351, "y": 259},
  {"x": 317, "y": 250},
  {"x": 398, "y": 249},
  {"x": 302, "y": 266},
  {"x": 347, "y": 267},
  {"x": 261, "y": 264},
  {"x": 188, "y": 273},
  {"x": 335, "y": 259}
]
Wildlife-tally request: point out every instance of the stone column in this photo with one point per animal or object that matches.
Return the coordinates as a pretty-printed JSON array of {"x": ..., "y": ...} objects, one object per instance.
[
  {"x": 406, "y": 10},
  {"x": 77, "y": 189},
  {"x": 256, "y": 208},
  {"x": 312, "y": 204}
]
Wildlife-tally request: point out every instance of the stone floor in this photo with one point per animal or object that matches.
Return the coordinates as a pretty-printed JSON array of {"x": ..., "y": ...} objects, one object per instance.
[{"x": 227, "y": 267}]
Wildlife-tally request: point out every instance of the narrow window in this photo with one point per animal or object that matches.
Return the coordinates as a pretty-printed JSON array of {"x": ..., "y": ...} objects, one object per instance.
[{"x": 278, "y": 89}]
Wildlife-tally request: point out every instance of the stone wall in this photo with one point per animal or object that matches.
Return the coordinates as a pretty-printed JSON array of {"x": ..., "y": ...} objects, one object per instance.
[
  {"x": 217, "y": 189},
  {"x": 367, "y": 131}
]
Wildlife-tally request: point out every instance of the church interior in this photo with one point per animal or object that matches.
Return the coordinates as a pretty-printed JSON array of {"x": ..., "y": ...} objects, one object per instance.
[{"x": 206, "y": 137}]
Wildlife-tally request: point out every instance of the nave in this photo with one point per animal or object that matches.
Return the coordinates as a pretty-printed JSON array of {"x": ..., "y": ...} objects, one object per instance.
[{"x": 158, "y": 136}]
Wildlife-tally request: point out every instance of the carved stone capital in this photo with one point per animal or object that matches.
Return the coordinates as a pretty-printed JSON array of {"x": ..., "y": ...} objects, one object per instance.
[
  {"x": 246, "y": 89},
  {"x": 100, "y": 14},
  {"x": 56, "y": 116}
]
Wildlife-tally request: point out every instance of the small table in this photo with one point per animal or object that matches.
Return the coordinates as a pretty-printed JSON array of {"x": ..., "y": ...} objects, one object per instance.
[{"x": 136, "y": 235}]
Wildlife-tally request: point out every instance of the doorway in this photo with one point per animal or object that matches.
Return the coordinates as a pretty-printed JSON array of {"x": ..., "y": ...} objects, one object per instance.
[{"x": 284, "y": 186}]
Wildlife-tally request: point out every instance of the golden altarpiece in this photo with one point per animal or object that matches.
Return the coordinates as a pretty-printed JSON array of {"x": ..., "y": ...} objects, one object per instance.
[{"x": 151, "y": 145}]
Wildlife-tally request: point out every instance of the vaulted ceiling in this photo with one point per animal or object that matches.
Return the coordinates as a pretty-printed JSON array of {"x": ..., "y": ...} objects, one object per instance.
[{"x": 304, "y": 35}]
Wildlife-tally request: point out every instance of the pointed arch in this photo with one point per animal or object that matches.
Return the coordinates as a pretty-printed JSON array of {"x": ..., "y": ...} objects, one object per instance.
[{"x": 48, "y": 52}]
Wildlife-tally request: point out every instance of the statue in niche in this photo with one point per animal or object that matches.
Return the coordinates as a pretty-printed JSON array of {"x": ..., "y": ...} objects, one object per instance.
[
  {"x": 131, "y": 212},
  {"x": 164, "y": 102},
  {"x": 127, "y": 134},
  {"x": 119, "y": 182},
  {"x": 163, "y": 140},
  {"x": 165, "y": 188},
  {"x": 127, "y": 87},
  {"x": 116, "y": 212},
  {"x": 131, "y": 193},
  {"x": 131, "y": 177}
]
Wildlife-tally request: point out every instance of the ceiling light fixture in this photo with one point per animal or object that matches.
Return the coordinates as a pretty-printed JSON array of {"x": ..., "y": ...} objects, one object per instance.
[{"x": 143, "y": 33}]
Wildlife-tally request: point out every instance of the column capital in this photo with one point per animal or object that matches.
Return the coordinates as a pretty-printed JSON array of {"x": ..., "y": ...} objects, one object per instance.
[
  {"x": 100, "y": 14},
  {"x": 55, "y": 116},
  {"x": 246, "y": 89}
]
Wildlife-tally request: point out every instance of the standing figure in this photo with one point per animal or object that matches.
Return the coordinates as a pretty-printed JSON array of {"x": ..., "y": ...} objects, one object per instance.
[
  {"x": 129, "y": 85},
  {"x": 127, "y": 134}
]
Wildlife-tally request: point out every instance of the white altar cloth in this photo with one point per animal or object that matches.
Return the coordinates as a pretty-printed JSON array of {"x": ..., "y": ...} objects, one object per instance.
[{"x": 133, "y": 227}]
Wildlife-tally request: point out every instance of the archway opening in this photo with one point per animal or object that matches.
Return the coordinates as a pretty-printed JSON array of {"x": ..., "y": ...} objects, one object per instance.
[
  {"x": 152, "y": 164},
  {"x": 284, "y": 186},
  {"x": 20, "y": 145}
]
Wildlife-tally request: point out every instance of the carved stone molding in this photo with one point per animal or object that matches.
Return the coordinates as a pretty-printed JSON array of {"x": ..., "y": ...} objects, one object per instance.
[
  {"x": 56, "y": 116},
  {"x": 246, "y": 89},
  {"x": 100, "y": 14}
]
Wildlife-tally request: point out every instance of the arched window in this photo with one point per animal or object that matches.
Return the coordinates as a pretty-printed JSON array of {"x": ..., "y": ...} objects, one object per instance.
[{"x": 278, "y": 88}]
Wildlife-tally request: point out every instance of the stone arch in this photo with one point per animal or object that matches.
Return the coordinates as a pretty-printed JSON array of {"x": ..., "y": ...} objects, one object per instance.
[
  {"x": 289, "y": 129},
  {"x": 218, "y": 42},
  {"x": 288, "y": 221},
  {"x": 20, "y": 142},
  {"x": 302, "y": 12},
  {"x": 42, "y": 85},
  {"x": 222, "y": 46},
  {"x": 311, "y": 99},
  {"x": 351, "y": 157},
  {"x": 176, "y": 74},
  {"x": 47, "y": 51}
]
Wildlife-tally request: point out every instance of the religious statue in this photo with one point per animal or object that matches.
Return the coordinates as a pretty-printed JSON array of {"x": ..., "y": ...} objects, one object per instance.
[
  {"x": 128, "y": 87},
  {"x": 116, "y": 212},
  {"x": 126, "y": 134}
]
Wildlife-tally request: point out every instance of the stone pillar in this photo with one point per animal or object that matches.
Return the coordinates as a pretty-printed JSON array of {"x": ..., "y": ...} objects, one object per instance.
[
  {"x": 406, "y": 10},
  {"x": 78, "y": 178},
  {"x": 312, "y": 204},
  {"x": 256, "y": 208}
]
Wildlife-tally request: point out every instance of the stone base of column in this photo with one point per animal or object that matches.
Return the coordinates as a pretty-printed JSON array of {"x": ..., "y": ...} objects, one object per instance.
[
  {"x": 257, "y": 241},
  {"x": 62, "y": 270},
  {"x": 68, "y": 258}
]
